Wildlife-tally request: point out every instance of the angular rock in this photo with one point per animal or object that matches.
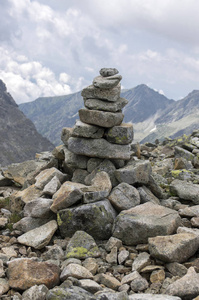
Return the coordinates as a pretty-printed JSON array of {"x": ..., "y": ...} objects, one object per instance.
[
  {"x": 104, "y": 105},
  {"x": 98, "y": 148},
  {"x": 100, "y": 118},
  {"x": 136, "y": 225},
  {"x": 38, "y": 208},
  {"x": 67, "y": 195},
  {"x": 124, "y": 196},
  {"x": 4, "y": 286},
  {"x": 135, "y": 172},
  {"x": 106, "y": 72},
  {"x": 66, "y": 134},
  {"x": 192, "y": 211},
  {"x": 73, "y": 160},
  {"x": 92, "y": 164},
  {"x": 176, "y": 269},
  {"x": 90, "y": 285},
  {"x": 46, "y": 175},
  {"x": 86, "y": 130},
  {"x": 76, "y": 271},
  {"x": 111, "y": 95},
  {"x": 157, "y": 276},
  {"x": 79, "y": 176},
  {"x": 123, "y": 256},
  {"x": 147, "y": 196},
  {"x": 152, "y": 297},
  {"x": 109, "y": 281},
  {"x": 95, "y": 218},
  {"x": 141, "y": 261},
  {"x": 82, "y": 246},
  {"x": 91, "y": 265},
  {"x": 180, "y": 152},
  {"x": 29, "y": 223},
  {"x": 174, "y": 248},
  {"x": 186, "y": 287},
  {"x": 35, "y": 292},
  {"x": 185, "y": 190},
  {"x": 24, "y": 273},
  {"x": 106, "y": 82},
  {"x": 40, "y": 236},
  {"x": 52, "y": 186},
  {"x": 121, "y": 134},
  {"x": 26, "y": 195},
  {"x": 71, "y": 293},
  {"x": 105, "y": 165},
  {"x": 100, "y": 188},
  {"x": 138, "y": 283},
  {"x": 54, "y": 252},
  {"x": 113, "y": 242}
]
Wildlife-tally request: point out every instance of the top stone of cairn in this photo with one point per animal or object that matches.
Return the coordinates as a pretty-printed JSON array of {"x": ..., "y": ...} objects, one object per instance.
[{"x": 106, "y": 72}]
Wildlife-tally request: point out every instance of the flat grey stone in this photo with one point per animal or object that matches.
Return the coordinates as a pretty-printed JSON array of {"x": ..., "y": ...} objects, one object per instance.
[
  {"x": 86, "y": 130},
  {"x": 105, "y": 72},
  {"x": 152, "y": 297},
  {"x": 38, "y": 208},
  {"x": 73, "y": 160},
  {"x": 147, "y": 196},
  {"x": 100, "y": 118},
  {"x": 104, "y": 105},
  {"x": 111, "y": 95},
  {"x": 29, "y": 223},
  {"x": 98, "y": 148},
  {"x": 107, "y": 82},
  {"x": 135, "y": 172},
  {"x": 185, "y": 190},
  {"x": 136, "y": 225},
  {"x": 174, "y": 248}
]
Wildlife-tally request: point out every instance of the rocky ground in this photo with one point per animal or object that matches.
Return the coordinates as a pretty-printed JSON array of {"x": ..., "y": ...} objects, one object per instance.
[{"x": 107, "y": 229}]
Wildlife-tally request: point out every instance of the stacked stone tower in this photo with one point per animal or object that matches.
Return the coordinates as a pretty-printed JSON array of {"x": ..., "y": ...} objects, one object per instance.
[{"x": 100, "y": 131}]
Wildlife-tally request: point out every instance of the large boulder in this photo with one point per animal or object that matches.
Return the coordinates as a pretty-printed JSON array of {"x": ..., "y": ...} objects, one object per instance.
[
  {"x": 185, "y": 190},
  {"x": 94, "y": 218},
  {"x": 136, "y": 225}
]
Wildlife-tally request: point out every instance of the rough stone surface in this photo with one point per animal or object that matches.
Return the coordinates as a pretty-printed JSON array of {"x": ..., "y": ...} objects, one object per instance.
[
  {"x": 185, "y": 190},
  {"x": 82, "y": 246},
  {"x": 4, "y": 286},
  {"x": 24, "y": 273},
  {"x": 40, "y": 236},
  {"x": 147, "y": 196},
  {"x": 174, "y": 248},
  {"x": 103, "y": 105},
  {"x": 111, "y": 95},
  {"x": 124, "y": 196},
  {"x": 46, "y": 175},
  {"x": 106, "y": 82},
  {"x": 95, "y": 218},
  {"x": 69, "y": 293},
  {"x": 29, "y": 223},
  {"x": 186, "y": 287},
  {"x": 35, "y": 293},
  {"x": 152, "y": 297},
  {"x": 38, "y": 208},
  {"x": 52, "y": 186},
  {"x": 88, "y": 131},
  {"x": 100, "y": 118},
  {"x": 68, "y": 194},
  {"x": 98, "y": 148},
  {"x": 109, "y": 281},
  {"x": 121, "y": 134},
  {"x": 106, "y": 72},
  {"x": 76, "y": 271},
  {"x": 136, "y": 225},
  {"x": 136, "y": 172},
  {"x": 141, "y": 261},
  {"x": 73, "y": 160}
]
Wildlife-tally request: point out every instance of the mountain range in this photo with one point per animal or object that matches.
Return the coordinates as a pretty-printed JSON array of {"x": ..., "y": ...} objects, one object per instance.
[
  {"x": 153, "y": 115},
  {"x": 19, "y": 139}
]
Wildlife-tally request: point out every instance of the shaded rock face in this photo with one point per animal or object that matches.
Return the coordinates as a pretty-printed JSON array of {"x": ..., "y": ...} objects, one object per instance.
[
  {"x": 20, "y": 140},
  {"x": 75, "y": 226}
]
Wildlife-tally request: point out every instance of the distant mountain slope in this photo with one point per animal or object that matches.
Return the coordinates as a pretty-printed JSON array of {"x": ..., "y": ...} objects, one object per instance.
[
  {"x": 19, "y": 139},
  {"x": 152, "y": 114}
]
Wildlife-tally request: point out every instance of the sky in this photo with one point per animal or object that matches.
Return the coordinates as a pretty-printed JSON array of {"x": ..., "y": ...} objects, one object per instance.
[{"x": 57, "y": 47}]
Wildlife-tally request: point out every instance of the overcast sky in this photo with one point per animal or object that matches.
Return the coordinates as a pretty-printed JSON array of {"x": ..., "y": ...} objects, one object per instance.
[{"x": 57, "y": 47}]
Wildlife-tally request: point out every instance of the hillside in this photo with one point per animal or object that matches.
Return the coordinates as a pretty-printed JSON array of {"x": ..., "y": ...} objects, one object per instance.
[
  {"x": 19, "y": 139},
  {"x": 153, "y": 115}
]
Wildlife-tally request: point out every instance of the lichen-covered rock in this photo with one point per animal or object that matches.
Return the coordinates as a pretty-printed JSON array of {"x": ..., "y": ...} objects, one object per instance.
[
  {"x": 94, "y": 218},
  {"x": 121, "y": 134},
  {"x": 36, "y": 292},
  {"x": 88, "y": 131},
  {"x": 71, "y": 293},
  {"x": 185, "y": 190},
  {"x": 136, "y": 225},
  {"x": 82, "y": 245}
]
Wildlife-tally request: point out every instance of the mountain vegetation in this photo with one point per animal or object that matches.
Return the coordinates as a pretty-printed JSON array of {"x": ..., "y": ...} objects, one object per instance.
[{"x": 153, "y": 115}]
